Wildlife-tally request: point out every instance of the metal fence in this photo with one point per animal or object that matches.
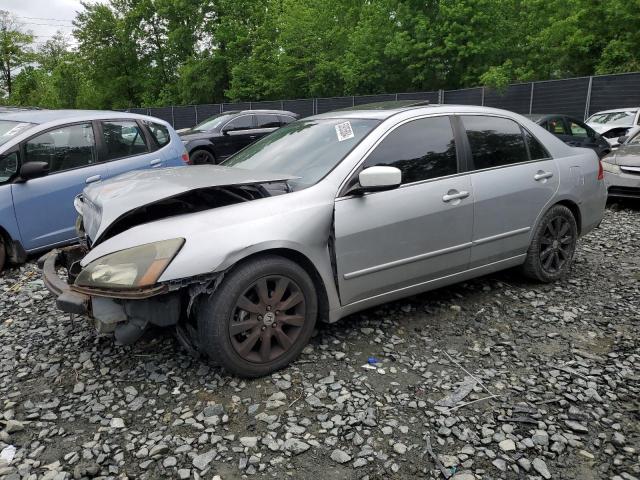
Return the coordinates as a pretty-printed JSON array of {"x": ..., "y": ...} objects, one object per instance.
[{"x": 579, "y": 97}]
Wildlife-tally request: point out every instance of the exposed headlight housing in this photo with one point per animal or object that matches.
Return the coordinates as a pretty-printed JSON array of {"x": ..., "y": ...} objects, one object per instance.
[
  {"x": 133, "y": 268},
  {"x": 610, "y": 167}
]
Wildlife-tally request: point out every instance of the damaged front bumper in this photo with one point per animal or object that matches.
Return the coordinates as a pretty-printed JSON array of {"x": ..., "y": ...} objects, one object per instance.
[{"x": 126, "y": 314}]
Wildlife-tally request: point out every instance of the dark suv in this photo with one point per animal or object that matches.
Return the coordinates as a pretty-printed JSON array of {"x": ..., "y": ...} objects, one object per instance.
[{"x": 224, "y": 134}]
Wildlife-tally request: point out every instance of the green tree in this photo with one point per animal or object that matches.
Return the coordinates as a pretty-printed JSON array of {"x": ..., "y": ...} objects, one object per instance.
[{"x": 15, "y": 49}]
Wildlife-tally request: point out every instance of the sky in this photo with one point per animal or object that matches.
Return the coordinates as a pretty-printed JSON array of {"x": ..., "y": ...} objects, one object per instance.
[{"x": 44, "y": 17}]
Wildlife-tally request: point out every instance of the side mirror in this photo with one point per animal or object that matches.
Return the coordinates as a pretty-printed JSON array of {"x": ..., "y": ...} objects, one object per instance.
[
  {"x": 32, "y": 170},
  {"x": 377, "y": 179},
  {"x": 622, "y": 139}
]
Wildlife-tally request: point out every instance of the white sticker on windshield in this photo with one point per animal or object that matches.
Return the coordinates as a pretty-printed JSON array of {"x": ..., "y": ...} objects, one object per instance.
[{"x": 344, "y": 131}]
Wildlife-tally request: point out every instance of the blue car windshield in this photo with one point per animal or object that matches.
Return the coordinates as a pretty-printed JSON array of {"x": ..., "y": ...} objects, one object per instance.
[
  {"x": 9, "y": 129},
  {"x": 308, "y": 149}
]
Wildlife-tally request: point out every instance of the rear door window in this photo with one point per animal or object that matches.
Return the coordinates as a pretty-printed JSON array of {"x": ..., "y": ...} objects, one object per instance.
[
  {"x": 577, "y": 130},
  {"x": 63, "y": 148},
  {"x": 494, "y": 141},
  {"x": 536, "y": 150},
  {"x": 422, "y": 149},
  {"x": 556, "y": 126},
  {"x": 245, "y": 122},
  {"x": 123, "y": 138},
  {"x": 267, "y": 121},
  {"x": 284, "y": 119}
]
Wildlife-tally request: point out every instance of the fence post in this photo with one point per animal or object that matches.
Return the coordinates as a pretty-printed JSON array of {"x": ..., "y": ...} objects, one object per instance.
[
  {"x": 353, "y": 101},
  {"x": 195, "y": 109},
  {"x": 281, "y": 104},
  {"x": 588, "y": 103},
  {"x": 250, "y": 106},
  {"x": 531, "y": 99},
  {"x": 173, "y": 119},
  {"x": 441, "y": 96},
  {"x": 482, "y": 97},
  {"x": 396, "y": 97}
]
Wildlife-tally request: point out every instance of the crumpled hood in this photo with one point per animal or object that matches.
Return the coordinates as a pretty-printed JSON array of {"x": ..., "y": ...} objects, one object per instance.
[
  {"x": 103, "y": 203},
  {"x": 605, "y": 127},
  {"x": 627, "y": 156}
]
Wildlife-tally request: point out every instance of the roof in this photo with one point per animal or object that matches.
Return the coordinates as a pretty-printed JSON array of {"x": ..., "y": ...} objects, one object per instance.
[
  {"x": 285, "y": 112},
  {"x": 385, "y": 112},
  {"x": 44, "y": 116}
]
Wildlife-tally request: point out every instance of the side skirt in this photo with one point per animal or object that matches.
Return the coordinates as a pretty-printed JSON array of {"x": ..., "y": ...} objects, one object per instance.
[{"x": 338, "y": 313}]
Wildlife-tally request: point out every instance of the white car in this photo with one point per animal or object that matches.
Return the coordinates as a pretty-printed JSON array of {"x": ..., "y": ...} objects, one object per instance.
[{"x": 612, "y": 124}]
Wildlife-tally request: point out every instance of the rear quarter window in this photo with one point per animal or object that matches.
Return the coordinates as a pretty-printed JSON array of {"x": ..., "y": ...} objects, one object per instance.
[{"x": 159, "y": 132}]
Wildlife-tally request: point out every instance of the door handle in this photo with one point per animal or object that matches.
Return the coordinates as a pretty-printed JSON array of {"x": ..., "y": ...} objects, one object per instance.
[
  {"x": 93, "y": 179},
  {"x": 542, "y": 175},
  {"x": 155, "y": 162},
  {"x": 454, "y": 195}
]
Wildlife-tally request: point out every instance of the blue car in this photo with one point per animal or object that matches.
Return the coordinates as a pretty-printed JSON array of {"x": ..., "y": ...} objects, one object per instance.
[{"x": 47, "y": 157}]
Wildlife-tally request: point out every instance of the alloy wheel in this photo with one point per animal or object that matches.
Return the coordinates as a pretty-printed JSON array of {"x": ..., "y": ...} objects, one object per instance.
[
  {"x": 556, "y": 245},
  {"x": 267, "y": 319}
]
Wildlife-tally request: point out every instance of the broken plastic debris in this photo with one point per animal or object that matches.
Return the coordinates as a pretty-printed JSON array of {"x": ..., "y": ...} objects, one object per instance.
[
  {"x": 459, "y": 394},
  {"x": 8, "y": 453},
  {"x": 366, "y": 366},
  {"x": 372, "y": 360}
]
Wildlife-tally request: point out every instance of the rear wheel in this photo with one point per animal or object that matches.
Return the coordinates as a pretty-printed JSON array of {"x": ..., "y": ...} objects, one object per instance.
[
  {"x": 260, "y": 318},
  {"x": 554, "y": 243},
  {"x": 201, "y": 157}
]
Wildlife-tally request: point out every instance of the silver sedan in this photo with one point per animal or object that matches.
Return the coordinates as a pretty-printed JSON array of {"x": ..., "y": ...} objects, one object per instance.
[
  {"x": 326, "y": 216},
  {"x": 622, "y": 168}
]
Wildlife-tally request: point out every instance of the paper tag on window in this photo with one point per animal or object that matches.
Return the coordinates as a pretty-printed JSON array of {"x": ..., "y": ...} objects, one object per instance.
[{"x": 344, "y": 131}]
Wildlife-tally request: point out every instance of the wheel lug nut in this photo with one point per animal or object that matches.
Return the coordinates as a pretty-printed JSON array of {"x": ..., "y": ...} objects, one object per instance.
[
  {"x": 259, "y": 317},
  {"x": 268, "y": 308},
  {"x": 274, "y": 325}
]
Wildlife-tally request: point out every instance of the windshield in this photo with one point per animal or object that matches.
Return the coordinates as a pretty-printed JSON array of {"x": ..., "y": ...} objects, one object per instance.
[
  {"x": 622, "y": 117},
  {"x": 213, "y": 122},
  {"x": 9, "y": 129},
  {"x": 308, "y": 149}
]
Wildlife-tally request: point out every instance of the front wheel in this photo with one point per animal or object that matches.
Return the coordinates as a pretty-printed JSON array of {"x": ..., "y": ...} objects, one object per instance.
[
  {"x": 260, "y": 317},
  {"x": 553, "y": 245}
]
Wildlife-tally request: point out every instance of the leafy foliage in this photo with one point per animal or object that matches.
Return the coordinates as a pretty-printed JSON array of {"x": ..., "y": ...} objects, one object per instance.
[{"x": 159, "y": 52}]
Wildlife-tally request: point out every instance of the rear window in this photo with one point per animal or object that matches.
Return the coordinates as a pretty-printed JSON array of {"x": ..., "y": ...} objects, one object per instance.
[{"x": 159, "y": 132}]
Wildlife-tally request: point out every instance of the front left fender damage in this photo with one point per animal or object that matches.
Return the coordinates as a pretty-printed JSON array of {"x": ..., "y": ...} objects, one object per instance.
[{"x": 127, "y": 314}]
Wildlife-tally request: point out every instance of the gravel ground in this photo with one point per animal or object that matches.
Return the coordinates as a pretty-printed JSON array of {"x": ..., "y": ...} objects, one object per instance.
[{"x": 498, "y": 378}]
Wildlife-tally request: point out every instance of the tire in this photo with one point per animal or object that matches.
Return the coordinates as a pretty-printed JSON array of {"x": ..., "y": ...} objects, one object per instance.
[
  {"x": 202, "y": 157},
  {"x": 550, "y": 254},
  {"x": 3, "y": 253},
  {"x": 235, "y": 336}
]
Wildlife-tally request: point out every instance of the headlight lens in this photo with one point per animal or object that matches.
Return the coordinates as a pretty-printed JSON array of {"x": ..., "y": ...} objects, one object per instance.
[
  {"x": 610, "y": 167},
  {"x": 135, "y": 267}
]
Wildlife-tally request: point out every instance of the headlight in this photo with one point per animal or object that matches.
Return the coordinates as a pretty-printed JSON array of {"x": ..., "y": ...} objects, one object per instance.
[
  {"x": 135, "y": 267},
  {"x": 610, "y": 167}
]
